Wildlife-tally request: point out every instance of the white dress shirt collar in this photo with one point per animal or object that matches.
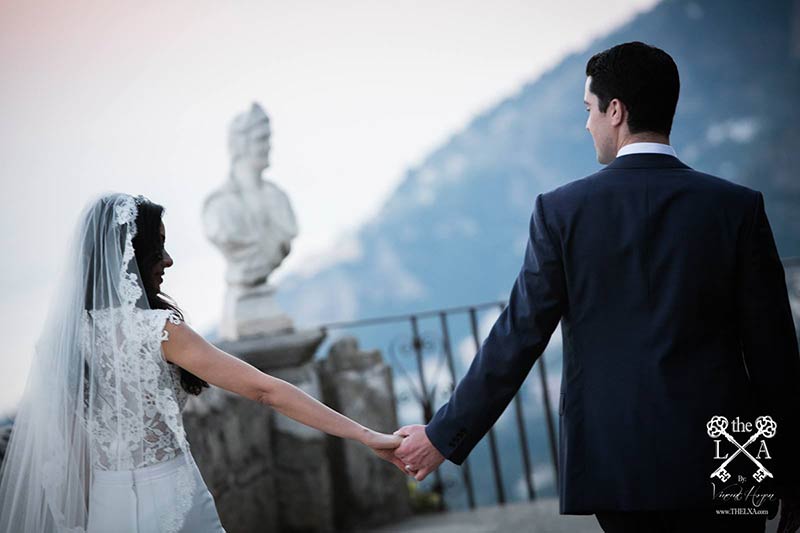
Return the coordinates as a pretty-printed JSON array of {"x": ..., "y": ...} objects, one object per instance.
[{"x": 647, "y": 148}]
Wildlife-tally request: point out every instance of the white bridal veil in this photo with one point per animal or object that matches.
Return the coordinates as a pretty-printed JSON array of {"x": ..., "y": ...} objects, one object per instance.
[{"x": 100, "y": 396}]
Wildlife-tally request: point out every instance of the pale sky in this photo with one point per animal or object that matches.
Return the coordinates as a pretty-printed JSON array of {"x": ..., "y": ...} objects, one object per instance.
[{"x": 136, "y": 97}]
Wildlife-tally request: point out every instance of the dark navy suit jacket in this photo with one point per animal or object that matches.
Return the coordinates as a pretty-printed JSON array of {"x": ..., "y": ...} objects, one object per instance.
[{"x": 673, "y": 308}]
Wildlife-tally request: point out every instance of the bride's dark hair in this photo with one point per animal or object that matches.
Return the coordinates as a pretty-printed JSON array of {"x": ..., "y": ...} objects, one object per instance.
[{"x": 149, "y": 251}]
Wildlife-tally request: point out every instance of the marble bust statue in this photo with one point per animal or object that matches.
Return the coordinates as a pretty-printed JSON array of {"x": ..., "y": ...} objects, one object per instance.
[{"x": 251, "y": 221}]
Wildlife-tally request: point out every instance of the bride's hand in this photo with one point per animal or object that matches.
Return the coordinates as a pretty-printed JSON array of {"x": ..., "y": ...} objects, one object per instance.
[
  {"x": 383, "y": 446},
  {"x": 381, "y": 441}
]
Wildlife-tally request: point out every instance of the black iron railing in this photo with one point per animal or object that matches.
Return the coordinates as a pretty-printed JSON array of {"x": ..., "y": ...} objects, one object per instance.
[{"x": 424, "y": 387}]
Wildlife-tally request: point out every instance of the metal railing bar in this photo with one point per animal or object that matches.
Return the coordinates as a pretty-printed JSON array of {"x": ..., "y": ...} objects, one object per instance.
[
  {"x": 427, "y": 403},
  {"x": 498, "y": 474},
  {"x": 404, "y": 317},
  {"x": 466, "y": 473}
]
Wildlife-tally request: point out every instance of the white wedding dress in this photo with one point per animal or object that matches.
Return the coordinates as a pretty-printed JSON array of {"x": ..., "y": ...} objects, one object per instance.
[{"x": 98, "y": 444}]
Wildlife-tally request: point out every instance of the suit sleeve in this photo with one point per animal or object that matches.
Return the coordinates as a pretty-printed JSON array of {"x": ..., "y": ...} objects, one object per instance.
[
  {"x": 769, "y": 342},
  {"x": 516, "y": 340}
]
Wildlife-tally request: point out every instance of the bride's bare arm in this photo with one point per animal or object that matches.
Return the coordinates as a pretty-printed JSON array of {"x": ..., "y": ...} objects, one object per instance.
[{"x": 189, "y": 350}]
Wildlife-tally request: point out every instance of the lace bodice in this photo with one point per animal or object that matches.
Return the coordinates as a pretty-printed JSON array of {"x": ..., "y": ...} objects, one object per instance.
[{"x": 134, "y": 420}]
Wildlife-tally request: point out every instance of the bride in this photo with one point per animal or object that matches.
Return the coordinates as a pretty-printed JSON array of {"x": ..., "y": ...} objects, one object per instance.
[{"x": 98, "y": 443}]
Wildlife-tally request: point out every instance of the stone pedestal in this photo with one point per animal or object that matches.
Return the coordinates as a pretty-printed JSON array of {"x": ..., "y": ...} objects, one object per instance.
[
  {"x": 252, "y": 311},
  {"x": 367, "y": 490}
]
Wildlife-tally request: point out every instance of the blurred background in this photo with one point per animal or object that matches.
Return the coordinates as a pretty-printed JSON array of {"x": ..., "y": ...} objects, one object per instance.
[{"x": 411, "y": 138}]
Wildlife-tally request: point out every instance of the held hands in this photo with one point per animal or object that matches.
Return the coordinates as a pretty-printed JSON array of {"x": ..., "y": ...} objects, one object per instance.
[
  {"x": 418, "y": 457},
  {"x": 409, "y": 449},
  {"x": 383, "y": 446}
]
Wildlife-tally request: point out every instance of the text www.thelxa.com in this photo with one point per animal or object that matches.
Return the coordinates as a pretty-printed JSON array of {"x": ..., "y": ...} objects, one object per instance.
[{"x": 742, "y": 511}]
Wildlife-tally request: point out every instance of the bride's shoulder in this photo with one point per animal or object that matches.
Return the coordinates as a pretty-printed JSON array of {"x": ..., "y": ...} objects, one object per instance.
[
  {"x": 162, "y": 317},
  {"x": 171, "y": 324},
  {"x": 183, "y": 339}
]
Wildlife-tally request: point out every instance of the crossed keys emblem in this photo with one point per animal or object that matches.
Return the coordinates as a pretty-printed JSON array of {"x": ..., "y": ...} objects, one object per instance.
[{"x": 765, "y": 425}]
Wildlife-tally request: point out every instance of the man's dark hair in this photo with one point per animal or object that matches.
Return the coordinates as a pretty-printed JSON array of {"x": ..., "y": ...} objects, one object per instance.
[{"x": 642, "y": 77}]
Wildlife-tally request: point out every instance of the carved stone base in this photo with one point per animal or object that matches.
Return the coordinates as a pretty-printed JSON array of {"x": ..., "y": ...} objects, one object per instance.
[{"x": 268, "y": 353}]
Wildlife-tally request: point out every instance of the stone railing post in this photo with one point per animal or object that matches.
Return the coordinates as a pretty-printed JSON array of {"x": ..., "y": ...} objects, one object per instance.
[{"x": 367, "y": 490}]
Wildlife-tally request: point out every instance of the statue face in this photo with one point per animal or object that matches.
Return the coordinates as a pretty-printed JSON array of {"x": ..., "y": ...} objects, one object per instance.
[{"x": 257, "y": 145}]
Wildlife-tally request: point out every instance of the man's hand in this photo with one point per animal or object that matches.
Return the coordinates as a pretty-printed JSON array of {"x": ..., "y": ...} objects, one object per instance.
[{"x": 418, "y": 455}]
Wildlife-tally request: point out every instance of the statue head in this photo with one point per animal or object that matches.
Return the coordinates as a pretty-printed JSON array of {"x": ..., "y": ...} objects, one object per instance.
[{"x": 248, "y": 138}]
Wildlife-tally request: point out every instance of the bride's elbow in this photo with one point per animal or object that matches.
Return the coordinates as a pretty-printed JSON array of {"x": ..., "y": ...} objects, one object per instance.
[
  {"x": 270, "y": 394},
  {"x": 265, "y": 397},
  {"x": 273, "y": 392}
]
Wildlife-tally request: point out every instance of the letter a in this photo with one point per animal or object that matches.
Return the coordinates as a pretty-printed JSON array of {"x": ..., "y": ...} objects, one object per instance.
[{"x": 763, "y": 448}]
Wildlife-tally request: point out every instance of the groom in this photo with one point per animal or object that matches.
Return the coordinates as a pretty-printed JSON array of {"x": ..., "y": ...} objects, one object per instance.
[{"x": 673, "y": 308}]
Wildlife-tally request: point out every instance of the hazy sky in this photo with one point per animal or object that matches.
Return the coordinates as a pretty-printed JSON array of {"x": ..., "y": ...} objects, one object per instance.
[{"x": 136, "y": 97}]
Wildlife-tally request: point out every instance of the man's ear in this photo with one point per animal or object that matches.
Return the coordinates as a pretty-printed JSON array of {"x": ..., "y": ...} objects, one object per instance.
[{"x": 617, "y": 112}]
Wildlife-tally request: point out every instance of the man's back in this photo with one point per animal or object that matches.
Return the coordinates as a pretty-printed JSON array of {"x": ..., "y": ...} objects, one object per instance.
[{"x": 653, "y": 256}]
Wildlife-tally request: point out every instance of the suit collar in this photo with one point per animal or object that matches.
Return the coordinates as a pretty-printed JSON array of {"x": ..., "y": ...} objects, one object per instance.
[{"x": 646, "y": 160}]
